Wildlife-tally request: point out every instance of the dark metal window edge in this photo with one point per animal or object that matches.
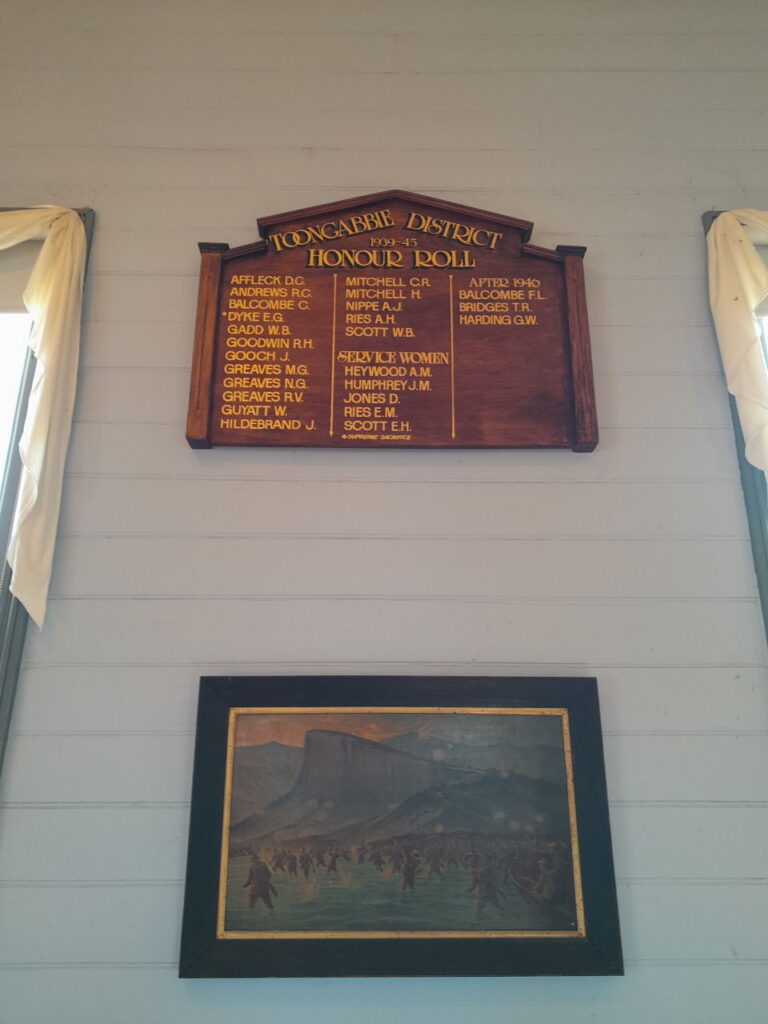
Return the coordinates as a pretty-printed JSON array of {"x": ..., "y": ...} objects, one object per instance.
[
  {"x": 13, "y": 617},
  {"x": 756, "y": 503},
  {"x": 753, "y": 484}
]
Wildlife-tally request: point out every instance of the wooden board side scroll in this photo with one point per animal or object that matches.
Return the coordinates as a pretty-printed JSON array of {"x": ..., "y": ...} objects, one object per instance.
[{"x": 392, "y": 321}]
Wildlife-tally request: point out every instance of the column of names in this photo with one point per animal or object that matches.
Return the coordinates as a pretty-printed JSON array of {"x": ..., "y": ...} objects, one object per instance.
[
  {"x": 267, "y": 367},
  {"x": 392, "y": 381}
]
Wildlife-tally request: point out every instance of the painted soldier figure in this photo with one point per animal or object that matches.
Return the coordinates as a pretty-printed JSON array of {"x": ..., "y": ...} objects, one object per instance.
[{"x": 258, "y": 883}]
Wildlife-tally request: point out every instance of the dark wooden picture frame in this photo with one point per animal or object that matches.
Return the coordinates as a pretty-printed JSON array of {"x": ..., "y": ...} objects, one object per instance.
[{"x": 495, "y": 839}]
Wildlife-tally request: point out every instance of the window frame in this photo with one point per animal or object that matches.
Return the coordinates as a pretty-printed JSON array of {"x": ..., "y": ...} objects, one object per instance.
[
  {"x": 13, "y": 616},
  {"x": 754, "y": 489}
]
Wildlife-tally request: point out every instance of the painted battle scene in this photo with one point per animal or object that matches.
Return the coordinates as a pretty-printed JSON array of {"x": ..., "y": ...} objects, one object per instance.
[{"x": 371, "y": 822}]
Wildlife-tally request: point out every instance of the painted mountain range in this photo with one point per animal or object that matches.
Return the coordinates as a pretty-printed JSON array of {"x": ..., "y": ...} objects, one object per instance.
[{"x": 357, "y": 790}]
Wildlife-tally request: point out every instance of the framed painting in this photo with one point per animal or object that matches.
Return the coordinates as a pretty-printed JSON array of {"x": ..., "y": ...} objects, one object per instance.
[{"x": 399, "y": 826}]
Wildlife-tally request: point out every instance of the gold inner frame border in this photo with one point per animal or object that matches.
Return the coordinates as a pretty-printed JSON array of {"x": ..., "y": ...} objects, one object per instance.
[{"x": 562, "y": 713}]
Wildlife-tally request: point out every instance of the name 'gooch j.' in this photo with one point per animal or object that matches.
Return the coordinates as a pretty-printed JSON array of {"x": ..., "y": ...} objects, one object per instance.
[{"x": 392, "y": 320}]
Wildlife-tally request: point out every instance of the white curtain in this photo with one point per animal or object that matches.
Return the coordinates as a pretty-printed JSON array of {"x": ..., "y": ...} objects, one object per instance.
[
  {"x": 53, "y": 297},
  {"x": 738, "y": 285}
]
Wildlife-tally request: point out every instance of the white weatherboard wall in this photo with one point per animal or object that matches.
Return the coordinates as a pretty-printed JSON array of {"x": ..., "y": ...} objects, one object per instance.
[{"x": 609, "y": 124}]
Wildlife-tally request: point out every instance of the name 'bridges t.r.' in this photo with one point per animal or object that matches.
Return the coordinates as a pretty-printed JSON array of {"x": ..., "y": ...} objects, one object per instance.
[{"x": 392, "y": 320}]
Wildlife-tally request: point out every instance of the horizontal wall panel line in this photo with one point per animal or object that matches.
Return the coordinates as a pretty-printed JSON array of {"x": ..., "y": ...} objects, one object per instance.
[
  {"x": 163, "y": 368},
  {"x": 156, "y": 368},
  {"x": 365, "y": 187},
  {"x": 137, "y": 275},
  {"x": 663, "y": 373},
  {"x": 74, "y": 965},
  {"x": 152, "y": 733},
  {"x": 288, "y": 668},
  {"x": 97, "y": 33},
  {"x": 191, "y": 732},
  {"x": 675, "y": 882},
  {"x": 628, "y": 238},
  {"x": 94, "y": 805},
  {"x": 225, "y": 478},
  {"x": 299, "y": 150},
  {"x": 119, "y": 274},
  {"x": 263, "y": 43},
  {"x": 330, "y": 34},
  {"x": 470, "y": 599},
  {"x": 90, "y": 883},
  {"x": 179, "y": 424},
  {"x": 132, "y": 805},
  {"x": 607, "y": 430},
  {"x": 193, "y": 276},
  {"x": 733, "y": 962},
  {"x": 101, "y": 965},
  {"x": 742, "y": 804},
  {"x": 579, "y": 538},
  {"x": 173, "y": 883}
]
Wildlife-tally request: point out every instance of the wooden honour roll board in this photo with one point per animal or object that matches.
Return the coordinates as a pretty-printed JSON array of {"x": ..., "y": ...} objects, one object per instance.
[{"x": 392, "y": 320}]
